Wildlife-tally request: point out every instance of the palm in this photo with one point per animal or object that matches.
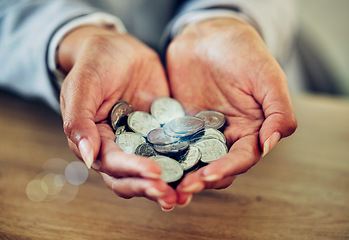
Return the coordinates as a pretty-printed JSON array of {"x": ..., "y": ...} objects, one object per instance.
[
  {"x": 201, "y": 82},
  {"x": 216, "y": 91},
  {"x": 228, "y": 69}
]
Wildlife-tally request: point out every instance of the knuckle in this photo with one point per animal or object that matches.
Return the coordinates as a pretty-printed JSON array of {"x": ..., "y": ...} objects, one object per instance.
[{"x": 70, "y": 129}]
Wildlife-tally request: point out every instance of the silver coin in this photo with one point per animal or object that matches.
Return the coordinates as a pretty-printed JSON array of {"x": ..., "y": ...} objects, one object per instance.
[
  {"x": 166, "y": 109},
  {"x": 120, "y": 130},
  {"x": 145, "y": 150},
  {"x": 171, "y": 169},
  {"x": 173, "y": 148},
  {"x": 208, "y": 133},
  {"x": 118, "y": 113},
  {"x": 129, "y": 141},
  {"x": 211, "y": 149},
  {"x": 213, "y": 119},
  {"x": 184, "y": 126},
  {"x": 158, "y": 137},
  {"x": 142, "y": 122},
  {"x": 190, "y": 158}
]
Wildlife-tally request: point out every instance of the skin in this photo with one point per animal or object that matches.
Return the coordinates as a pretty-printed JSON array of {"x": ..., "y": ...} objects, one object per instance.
[
  {"x": 104, "y": 66},
  {"x": 220, "y": 64},
  {"x": 224, "y": 65}
]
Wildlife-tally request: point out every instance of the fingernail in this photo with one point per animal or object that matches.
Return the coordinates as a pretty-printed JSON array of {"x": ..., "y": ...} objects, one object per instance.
[
  {"x": 167, "y": 210},
  {"x": 195, "y": 187},
  {"x": 186, "y": 202},
  {"x": 271, "y": 142},
  {"x": 86, "y": 151},
  {"x": 211, "y": 178},
  {"x": 165, "y": 206},
  {"x": 153, "y": 192}
]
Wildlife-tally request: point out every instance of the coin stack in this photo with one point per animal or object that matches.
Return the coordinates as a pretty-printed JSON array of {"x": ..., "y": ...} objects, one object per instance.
[{"x": 179, "y": 143}]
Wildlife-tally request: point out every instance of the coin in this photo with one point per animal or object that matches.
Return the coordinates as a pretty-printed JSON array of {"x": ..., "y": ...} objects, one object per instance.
[
  {"x": 213, "y": 119},
  {"x": 158, "y": 137},
  {"x": 171, "y": 169},
  {"x": 211, "y": 149},
  {"x": 184, "y": 144},
  {"x": 120, "y": 130},
  {"x": 190, "y": 158},
  {"x": 129, "y": 141},
  {"x": 118, "y": 114},
  {"x": 166, "y": 109},
  {"x": 145, "y": 150},
  {"x": 208, "y": 133},
  {"x": 184, "y": 126},
  {"x": 142, "y": 122},
  {"x": 173, "y": 148}
]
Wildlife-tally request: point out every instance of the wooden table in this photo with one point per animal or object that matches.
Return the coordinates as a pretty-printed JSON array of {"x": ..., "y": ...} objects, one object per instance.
[{"x": 298, "y": 191}]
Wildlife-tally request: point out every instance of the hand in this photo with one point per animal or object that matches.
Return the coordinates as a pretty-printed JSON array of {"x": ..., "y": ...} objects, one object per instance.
[
  {"x": 223, "y": 64},
  {"x": 104, "y": 66}
]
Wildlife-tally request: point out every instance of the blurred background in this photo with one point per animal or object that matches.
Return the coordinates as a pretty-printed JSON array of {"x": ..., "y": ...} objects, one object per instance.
[{"x": 324, "y": 28}]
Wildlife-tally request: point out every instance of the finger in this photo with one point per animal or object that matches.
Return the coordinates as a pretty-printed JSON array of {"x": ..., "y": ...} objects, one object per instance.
[
  {"x": 184, "y": 199},
  {"x": 280, "y": 120},
  {"x": 137, "y": 187},
  {"x": 191, "y": 183},
  {"x": 221, "y": 184},
  {"x": 243, "y": 154},
  {"x": 168, "y": 201},
  {"x": 79, "y": 103},
  {"x": 117, "y": 163},
  {"x": 184, "y": 196}
]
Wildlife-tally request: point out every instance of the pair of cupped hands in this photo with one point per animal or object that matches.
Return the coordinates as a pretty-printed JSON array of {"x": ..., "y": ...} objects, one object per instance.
[{"x": 218, "y": 64}]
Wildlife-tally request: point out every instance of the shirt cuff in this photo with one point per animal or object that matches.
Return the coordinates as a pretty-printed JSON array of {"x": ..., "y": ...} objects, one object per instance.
[
  {"x": 97, "y": 19},
  {"x": 201, "y": 15}
]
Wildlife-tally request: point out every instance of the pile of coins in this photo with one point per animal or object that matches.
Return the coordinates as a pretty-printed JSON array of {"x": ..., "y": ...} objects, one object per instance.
[{"x": 179, "y": 143}]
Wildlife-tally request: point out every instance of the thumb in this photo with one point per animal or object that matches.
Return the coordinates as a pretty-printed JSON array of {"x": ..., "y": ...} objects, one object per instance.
[
  {"x": 79, "y": 104},
  {"x": 280, "y": 120}
]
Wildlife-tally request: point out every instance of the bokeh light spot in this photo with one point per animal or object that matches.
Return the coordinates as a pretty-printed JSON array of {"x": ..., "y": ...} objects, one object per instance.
[
  {"x": 76, "y": 173},
  {"x": 36, "y": 190},
  {"x": 52, "y": 187},
  {"x": 60, "y": 180}
]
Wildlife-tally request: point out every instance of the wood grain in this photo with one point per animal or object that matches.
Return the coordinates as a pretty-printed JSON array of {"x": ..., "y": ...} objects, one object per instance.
[{"x": 298, "y": 191}]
